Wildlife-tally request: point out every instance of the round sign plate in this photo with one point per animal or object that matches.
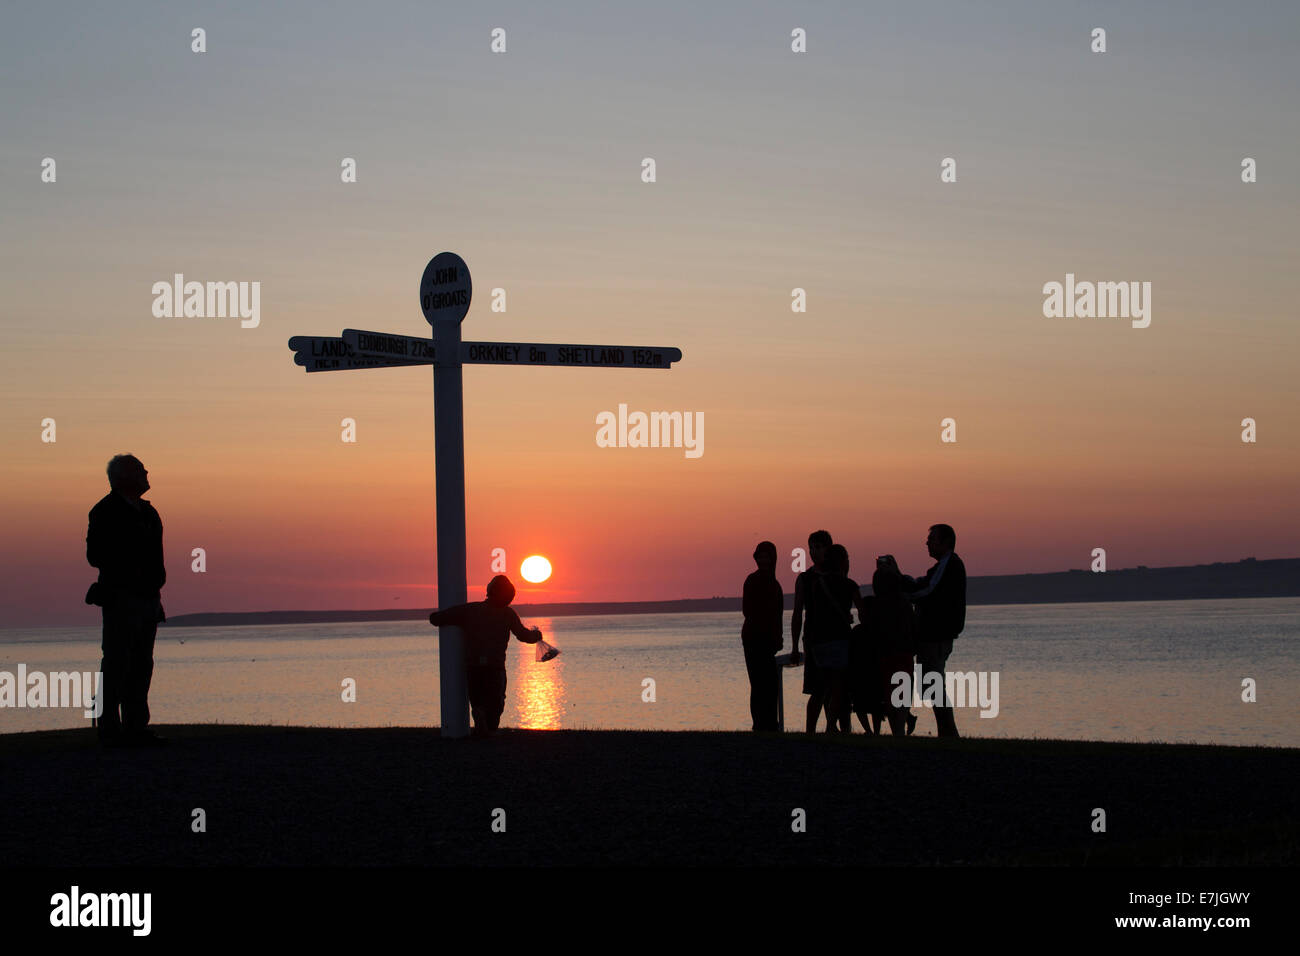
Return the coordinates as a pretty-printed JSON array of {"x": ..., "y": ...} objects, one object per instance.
[{"x": 445, "y": 289}]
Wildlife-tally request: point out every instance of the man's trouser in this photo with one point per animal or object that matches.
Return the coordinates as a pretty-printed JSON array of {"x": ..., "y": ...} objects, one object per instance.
[
  {"x": 764, "y": 686},
  {"x": 933, "y": 656},
  {"x": 486, "y": 684},
  {"x": 130, "y": 626}
]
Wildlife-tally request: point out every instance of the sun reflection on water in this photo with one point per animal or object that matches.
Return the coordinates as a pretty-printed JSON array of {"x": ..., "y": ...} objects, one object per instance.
[{"x": 539, "y": 692}]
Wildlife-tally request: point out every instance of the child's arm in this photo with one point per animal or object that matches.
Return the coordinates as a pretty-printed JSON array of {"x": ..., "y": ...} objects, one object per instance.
[{"x": 527, "y": 635}]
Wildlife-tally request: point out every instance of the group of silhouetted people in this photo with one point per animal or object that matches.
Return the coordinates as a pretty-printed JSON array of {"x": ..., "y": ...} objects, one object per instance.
[{"x": 851, "y": 667}]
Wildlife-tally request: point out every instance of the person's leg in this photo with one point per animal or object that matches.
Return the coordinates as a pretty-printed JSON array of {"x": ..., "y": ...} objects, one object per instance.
[
  {"x": 769, "y": 691},
  {"x": 757, "y": 671},
  {"x": 844, "y": 709},
  {"x": 860, "y": 700},
  {"x": 846, "y": 705},
  {"x": 144, "y": 631},
  {"x": 897, "y": 680},
  {"x": 496, "y": 704},
  {"x": 944, "y": 716},
  {"x": 872, "y": 691},
  {"x": 933, "y": 656},
  {"x": 830, "y": 701},
  {"x": 947, "y": 721},
  {"x": 474, "y": 691},
  {"x": 892, "y": 693},
  {"x": 908, "y": 666},
  {"x": 814, "y": 710},
  {"x": 834, "y": 701},
  {"x": 894, "y": 716},
  {"x": 926, "y": 652},
  {"x": 864, "y": 715},
  {"x": 114, "y": 668},
  {"x": 813, "y": 687},
  {"x": 778, "y": 685}
]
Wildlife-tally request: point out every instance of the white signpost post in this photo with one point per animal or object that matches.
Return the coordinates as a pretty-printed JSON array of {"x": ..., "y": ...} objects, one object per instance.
[{"x": 445, "y": 292}]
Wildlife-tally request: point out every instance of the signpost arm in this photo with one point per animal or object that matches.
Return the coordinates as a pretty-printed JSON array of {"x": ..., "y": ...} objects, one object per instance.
[{"x": 449, "y": 457}]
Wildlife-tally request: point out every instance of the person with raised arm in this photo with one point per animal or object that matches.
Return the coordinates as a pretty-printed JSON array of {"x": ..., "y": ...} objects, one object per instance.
[{"x": 487, "y": 625}]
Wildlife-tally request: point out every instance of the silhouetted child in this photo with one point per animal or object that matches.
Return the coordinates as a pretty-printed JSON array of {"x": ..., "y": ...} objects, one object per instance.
[
  {"x": 487, "y": 625},
  {"x": 863, "y": 661},
  {"x": 891, "y": 629}
]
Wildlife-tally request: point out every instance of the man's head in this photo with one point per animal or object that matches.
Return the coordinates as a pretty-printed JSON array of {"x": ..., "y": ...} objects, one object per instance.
[
  {"x": 765, "y": 556},
  {"x": 818, "y": 542},
  {"x": 500, "y": 591},
  {"x": 941, "y": 540},
  {"x": 837, "y": 559},
  {"x": 127, "y": 476}
]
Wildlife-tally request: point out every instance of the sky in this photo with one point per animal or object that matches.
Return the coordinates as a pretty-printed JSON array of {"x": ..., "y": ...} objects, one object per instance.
[{"x": 774, "y": 171}]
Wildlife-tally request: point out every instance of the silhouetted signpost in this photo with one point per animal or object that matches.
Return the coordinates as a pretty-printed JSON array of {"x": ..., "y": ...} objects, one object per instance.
[{"x": 445, "y": 293}]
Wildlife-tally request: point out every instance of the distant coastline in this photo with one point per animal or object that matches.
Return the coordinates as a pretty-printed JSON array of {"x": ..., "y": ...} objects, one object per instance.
[{"x": 1242, "y": 579}]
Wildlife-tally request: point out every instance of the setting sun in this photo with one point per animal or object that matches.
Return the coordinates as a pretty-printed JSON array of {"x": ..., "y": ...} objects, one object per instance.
[{"x": 535, "y": 569}]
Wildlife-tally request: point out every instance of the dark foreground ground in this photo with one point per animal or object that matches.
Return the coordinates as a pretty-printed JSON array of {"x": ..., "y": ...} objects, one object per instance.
[{"x": 276, "y": 795}]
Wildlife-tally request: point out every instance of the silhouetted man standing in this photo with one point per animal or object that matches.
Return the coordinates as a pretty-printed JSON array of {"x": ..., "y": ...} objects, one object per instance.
[
  {"x": 940, "y": 599},
  {"x": 487, "y": 626},
  {"x": 124, "y": 541},
  {"x": 763, "y": 605}
]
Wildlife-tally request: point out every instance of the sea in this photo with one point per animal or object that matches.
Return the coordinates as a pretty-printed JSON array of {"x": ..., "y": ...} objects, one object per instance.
[{"x": 1209, "y": 671}]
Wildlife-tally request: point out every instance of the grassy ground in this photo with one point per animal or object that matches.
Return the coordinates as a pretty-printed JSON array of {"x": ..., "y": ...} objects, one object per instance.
[{"x": 284, "y": 795}]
